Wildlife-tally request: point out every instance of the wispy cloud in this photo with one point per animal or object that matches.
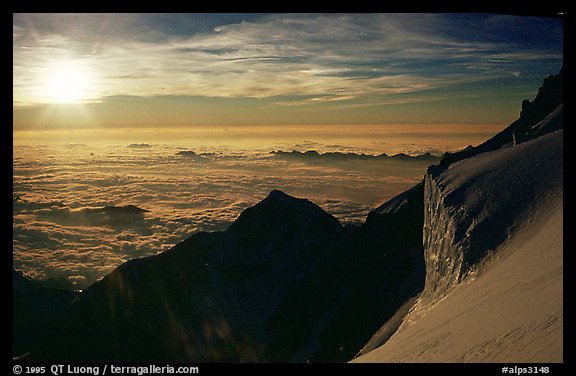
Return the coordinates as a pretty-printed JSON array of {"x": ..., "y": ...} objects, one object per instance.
[{"x": 328, "y": 57}]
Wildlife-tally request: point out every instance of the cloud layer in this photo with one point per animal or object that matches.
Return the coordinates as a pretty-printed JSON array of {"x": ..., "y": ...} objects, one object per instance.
[
  {"x": 81, "y": 210},
  {"x": 297, "y": 59}
]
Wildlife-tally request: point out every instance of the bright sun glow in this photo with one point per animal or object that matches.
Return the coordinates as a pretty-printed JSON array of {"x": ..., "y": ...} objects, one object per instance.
[{"x": 67, "y": 82}]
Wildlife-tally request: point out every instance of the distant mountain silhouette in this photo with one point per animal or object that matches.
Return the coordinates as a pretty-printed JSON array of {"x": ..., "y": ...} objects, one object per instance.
[{"x": 338, "y": 156}]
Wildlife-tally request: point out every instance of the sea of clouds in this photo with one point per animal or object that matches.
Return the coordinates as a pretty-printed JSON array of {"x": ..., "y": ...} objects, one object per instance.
[{"x": 81, "y": 210}]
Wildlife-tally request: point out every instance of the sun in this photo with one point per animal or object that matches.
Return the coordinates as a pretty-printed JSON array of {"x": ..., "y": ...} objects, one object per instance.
[{"x": 67, "y": 82}]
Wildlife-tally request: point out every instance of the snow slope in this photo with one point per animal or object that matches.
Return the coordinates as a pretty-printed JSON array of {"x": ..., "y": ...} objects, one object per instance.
[{"x": 494, "y": 261}]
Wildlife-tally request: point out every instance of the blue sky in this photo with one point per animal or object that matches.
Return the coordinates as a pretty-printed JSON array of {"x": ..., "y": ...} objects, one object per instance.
[{"x": 275, "y": 68}]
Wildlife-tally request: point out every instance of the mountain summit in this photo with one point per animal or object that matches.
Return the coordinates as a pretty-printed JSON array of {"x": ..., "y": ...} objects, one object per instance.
[{"x": 280, "y": 213}]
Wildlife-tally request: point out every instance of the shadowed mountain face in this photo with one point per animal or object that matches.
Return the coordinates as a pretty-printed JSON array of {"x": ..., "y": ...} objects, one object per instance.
[
  {"x": 380, "y": 268},
  {"x": 286, "y": 282},
  {"x": 37, "y": 312}
]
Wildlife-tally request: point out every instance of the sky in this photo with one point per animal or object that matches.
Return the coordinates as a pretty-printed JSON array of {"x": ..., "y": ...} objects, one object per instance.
[{"x": 163, "y": 70}]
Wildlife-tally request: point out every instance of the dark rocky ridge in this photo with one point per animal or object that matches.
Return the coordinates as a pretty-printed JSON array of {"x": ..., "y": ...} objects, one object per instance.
[
  {"x": 286, "y": 282},
  {"x": 550, "y": 95},
  {"x": 37, "y": 313}
]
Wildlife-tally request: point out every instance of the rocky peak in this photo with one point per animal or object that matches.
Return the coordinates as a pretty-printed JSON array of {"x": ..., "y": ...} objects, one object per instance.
[
  {"x": 547, "y": 107},
  {"x": 280, "y": 212},
  {"x": 550, "y": 95}
]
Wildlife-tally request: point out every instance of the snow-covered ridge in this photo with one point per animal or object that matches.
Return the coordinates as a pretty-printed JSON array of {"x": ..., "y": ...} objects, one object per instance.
[
  {"x": 474, "y": 199},
  {"x": 475, "y": 205},
  {"x": 492, "y": 239}
]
